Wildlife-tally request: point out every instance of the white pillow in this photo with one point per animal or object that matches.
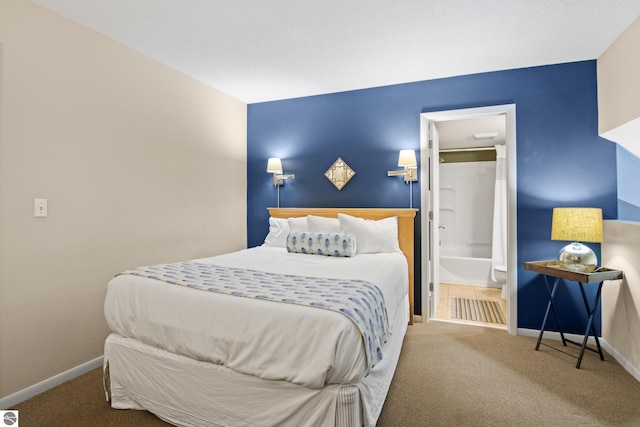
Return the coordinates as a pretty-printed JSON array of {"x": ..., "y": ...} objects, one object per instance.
[
  {"x": 320, "y": 224},
  {"x": 297, "y": 224},
  {"x": 329, "y": 244},
  {"x": 372, "y": 236},
  {"x": 278, "y": 232}
]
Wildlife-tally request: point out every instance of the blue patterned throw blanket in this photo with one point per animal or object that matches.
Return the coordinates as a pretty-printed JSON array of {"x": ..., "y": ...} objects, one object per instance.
[{"x": 360, "y": 301}]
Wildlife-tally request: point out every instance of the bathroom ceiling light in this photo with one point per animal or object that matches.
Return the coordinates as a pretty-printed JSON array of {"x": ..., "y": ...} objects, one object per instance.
[{"x": 485, "y": 135}]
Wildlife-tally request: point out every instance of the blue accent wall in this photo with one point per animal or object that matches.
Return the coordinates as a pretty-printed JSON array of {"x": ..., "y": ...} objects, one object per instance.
[
  {"x": 628, "y": 167},
  {"x": 561, "y": 160}
]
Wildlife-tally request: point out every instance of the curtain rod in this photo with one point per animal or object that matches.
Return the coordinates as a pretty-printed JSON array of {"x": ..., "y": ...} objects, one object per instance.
[{"x": 452, "y": 150}]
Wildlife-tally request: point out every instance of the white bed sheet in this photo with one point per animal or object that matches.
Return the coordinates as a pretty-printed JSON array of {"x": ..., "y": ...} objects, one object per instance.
[
  {"x": 190, "y": 393},
  {"x": 302, "y": 345}
]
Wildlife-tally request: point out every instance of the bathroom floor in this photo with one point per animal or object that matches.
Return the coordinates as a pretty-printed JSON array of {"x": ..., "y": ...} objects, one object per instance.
[{"x": 448, "y": 291}]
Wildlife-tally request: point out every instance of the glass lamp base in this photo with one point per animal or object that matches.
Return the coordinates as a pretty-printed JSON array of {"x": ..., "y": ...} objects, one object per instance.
[{"x": 577, "y": 253}]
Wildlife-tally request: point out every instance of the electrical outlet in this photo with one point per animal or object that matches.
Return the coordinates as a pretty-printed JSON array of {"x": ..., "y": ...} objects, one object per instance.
[{"x": 40, "y": 208}]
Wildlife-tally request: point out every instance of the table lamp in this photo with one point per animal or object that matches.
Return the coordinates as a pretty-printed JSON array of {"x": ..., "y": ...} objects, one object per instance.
[{"x": 577, "y": 225}]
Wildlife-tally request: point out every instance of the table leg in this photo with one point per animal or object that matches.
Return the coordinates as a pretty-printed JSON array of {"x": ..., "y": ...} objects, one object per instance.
[
  {"x": 550, "y": 306},
  {"x": 590, "y": 325}
]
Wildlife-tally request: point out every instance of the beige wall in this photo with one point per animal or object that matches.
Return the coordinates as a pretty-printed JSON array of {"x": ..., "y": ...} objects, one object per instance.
[
  {"x": 618, "y": 81},
  {"x": 619, "y": 90},
  {"x": 140, "y": 165},
  {"x": 619, "y": 120},
  {"x": 621, "y": 298}
]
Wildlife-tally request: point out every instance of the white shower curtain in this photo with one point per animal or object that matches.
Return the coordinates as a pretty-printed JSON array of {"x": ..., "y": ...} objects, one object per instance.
[{"x": 499, "y": 244}]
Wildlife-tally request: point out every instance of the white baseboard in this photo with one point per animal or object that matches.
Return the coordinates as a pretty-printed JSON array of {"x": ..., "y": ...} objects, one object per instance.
[
  {"x": 27, "y": 393},
  {"x": 634, "y": 371},
  {"x": 591, "y": 341}
]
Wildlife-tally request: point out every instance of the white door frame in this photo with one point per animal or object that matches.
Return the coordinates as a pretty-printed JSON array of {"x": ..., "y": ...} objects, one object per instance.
[
  {"x": 509, "y": 110},
  {"x": 431, "y": 245}
]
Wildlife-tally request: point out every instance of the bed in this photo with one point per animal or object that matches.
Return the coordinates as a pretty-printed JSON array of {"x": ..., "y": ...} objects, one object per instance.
[{"x": 195, "y": 353}]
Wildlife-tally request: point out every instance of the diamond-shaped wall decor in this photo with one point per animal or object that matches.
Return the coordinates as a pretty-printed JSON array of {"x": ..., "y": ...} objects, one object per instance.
[{"x": 339, "y": 173}]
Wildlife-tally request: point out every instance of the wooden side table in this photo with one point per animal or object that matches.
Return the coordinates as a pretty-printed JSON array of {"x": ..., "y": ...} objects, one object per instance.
[{"x": 554, "y": 269}]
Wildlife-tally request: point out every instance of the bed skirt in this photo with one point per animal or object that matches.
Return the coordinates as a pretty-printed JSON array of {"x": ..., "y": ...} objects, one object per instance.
[{"x": 186, "y": 392}]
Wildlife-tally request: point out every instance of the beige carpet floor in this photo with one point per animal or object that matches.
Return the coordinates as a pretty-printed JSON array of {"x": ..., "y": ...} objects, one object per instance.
[{"x": 448, "y": 375}]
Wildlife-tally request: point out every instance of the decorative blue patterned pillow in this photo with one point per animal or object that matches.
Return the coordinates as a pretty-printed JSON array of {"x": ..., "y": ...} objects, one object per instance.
[{"x": 329, "y": 244}]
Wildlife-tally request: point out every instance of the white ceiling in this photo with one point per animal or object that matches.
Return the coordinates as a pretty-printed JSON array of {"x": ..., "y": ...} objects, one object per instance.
[{"x": 263, "y": 50}]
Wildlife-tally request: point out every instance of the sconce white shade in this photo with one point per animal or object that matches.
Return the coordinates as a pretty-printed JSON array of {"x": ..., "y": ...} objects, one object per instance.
[
  {"x": 274, "y": 165},
  {"x": 407, "y": 158}
]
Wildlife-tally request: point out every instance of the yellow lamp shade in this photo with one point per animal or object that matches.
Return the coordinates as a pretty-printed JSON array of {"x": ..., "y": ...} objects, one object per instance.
[{"x": 577, "y": 224}]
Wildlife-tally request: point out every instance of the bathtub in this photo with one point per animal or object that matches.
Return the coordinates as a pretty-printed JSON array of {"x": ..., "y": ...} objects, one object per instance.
[{"x": 466, "y": 271}]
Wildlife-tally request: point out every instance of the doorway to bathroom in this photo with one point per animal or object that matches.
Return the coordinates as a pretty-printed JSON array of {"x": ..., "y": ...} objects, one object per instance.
[{"x": 469, "y": 239}]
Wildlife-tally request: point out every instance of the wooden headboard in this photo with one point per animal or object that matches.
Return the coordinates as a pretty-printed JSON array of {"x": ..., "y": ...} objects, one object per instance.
[{"x": 405, "y": 229}]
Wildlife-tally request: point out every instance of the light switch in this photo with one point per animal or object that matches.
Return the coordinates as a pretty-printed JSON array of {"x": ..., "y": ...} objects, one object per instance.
[{"x": 40, "y": 208}]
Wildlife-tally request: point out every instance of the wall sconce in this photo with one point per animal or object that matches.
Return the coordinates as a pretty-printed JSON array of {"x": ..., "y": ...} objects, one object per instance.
[
  {"x": 577, "y": 224},
  {"x": 406, "y": 160},
  {"x": 274, "y": 166}
]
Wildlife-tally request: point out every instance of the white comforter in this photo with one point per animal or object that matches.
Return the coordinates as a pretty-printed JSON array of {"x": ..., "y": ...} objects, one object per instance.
[{"x": 307, "y": 346}]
